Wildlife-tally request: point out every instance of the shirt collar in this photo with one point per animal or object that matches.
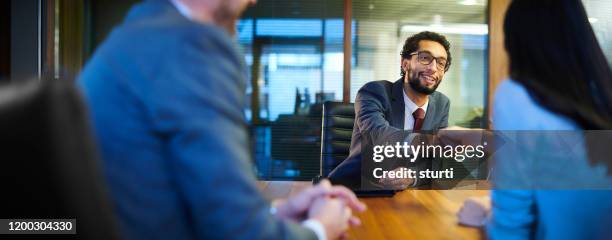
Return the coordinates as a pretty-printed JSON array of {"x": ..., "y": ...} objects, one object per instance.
[
  {"x": 182, "y": 8},
  {"x": 410, "y": 106}
]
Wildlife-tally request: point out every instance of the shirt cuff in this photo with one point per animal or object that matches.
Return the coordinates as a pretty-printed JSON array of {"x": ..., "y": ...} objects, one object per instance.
[
  {"x": 414, "y": 183},
  {"x": 316, "y": 227},
  {"x": 415, "y": 179}
]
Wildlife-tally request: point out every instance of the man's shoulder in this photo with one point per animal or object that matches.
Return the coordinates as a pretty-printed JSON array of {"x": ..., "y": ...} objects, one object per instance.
[
  {"x": 167, "y": 31},
  {"x": 378, "y": 84},
  {"x": 159, "y": 26},
  {"x": 380, "y": 90},
  {"x": 379, "y": 87},
  {"x": 439, "y": 98},
  {"x": 163, "y": 40}
]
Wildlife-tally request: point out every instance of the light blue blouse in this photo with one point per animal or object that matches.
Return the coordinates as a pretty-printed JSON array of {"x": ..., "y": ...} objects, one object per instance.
[{"x": 544, "y": 214}]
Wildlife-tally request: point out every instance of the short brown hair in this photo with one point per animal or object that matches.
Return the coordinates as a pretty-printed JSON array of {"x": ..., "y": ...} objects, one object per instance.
[{"x": 412, "y": 45}]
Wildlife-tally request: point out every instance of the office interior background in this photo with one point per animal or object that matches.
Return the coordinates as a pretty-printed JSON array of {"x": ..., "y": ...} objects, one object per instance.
[{"x": 299, "y": 55}]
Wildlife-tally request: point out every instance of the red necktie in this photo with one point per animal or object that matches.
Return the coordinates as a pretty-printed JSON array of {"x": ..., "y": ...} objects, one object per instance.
[{"x": 419, "y": 116}]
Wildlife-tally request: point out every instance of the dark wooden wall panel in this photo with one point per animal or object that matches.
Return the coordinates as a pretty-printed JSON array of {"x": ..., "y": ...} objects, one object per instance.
[{"x": 5, "y": 41}]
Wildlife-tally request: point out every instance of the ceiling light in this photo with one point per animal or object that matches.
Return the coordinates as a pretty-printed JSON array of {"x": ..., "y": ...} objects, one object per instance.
[
  {"x": 472, "y": 2},
  {"x": 471, "y": 29},
  {"x": 468, "y": 2}
]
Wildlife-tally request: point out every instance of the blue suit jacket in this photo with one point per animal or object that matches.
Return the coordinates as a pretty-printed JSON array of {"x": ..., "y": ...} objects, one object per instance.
[
  {"x": 166, "y": 96},
  {"x": 379, "y": 111}
]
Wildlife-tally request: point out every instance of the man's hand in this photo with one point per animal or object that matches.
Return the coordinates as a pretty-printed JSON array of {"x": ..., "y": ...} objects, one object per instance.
[
  {"x": 458, "y": 135},
  {"x": 296, "y": 207},
  {"x": 475, "y": 211},
  {"x": 331, "y": 205},
  {"x": 396, "y": 183},
  {"x": 470, "y": 136},
  {"x": 334, "y": 215}
]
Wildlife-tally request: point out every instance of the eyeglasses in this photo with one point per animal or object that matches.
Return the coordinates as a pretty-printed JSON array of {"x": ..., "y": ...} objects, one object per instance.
[{"x": 426, "y": 58}]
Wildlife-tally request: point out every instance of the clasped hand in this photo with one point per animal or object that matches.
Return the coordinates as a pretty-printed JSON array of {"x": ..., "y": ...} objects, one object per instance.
[{"x": 332, "y": 206}]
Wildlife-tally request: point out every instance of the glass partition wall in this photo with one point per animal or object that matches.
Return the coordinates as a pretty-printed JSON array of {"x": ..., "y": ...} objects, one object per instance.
[
  {"x": 294, "y": 53},
  {"x": 294, "y": 48}
]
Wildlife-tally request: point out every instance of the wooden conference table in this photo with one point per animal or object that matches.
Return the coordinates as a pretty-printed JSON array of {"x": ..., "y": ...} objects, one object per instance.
[{"x": 410, "y": 214}]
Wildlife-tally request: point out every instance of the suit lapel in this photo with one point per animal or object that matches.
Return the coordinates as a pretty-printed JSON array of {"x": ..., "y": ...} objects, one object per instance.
[
  {"x": 397, "y": 104},
  {"x": 429, "y": 115}
]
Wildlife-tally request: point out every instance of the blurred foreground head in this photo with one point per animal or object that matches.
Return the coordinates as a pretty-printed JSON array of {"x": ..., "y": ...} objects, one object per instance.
[
  {"x": 554, "y": 53},
  {"x": 223, "y": 13}
]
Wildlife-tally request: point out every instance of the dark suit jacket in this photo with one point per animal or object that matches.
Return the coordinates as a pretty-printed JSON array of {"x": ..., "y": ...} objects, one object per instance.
[
  {"x": 379, "y": 111},
  {"x": 167, "y": 100}
]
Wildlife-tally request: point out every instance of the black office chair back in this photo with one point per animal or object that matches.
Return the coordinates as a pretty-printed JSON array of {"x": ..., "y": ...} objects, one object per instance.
[
  {"x": 50, "y": 168},
  {"x": 336, "y": 131}
]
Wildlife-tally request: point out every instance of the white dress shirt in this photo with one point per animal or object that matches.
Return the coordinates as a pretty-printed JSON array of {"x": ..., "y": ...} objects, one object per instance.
[{"x": 409, "y": 108}]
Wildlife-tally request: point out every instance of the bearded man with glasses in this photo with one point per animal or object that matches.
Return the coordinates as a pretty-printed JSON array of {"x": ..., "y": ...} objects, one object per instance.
[{"x": 384, "y": 109}]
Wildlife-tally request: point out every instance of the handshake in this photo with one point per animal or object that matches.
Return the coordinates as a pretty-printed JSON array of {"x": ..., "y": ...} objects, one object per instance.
[{"x": 331, "y": 206}]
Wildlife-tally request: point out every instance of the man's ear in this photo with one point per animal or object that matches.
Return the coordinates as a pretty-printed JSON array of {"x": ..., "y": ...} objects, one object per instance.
[{"x": 404, "y": 64}]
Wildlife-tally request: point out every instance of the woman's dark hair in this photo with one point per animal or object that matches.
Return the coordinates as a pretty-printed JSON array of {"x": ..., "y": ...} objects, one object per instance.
[
  {"x": 554, "y": 53},
  {"x": 412, "y": 45}
]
